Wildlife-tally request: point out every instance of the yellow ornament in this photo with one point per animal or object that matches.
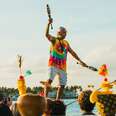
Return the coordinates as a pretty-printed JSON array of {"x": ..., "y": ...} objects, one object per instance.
[
  {"x": 21, "y": 85},
  {"x": 104, "y": 99}
]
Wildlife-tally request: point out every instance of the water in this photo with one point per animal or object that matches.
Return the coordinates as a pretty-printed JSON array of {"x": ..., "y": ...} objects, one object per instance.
[{"x": 74, "y": 109}]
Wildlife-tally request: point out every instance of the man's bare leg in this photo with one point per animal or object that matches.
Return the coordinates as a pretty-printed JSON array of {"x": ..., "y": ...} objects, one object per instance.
[
  {"x": 47, "y": 85},
  {"x": 60, "y": 92}
]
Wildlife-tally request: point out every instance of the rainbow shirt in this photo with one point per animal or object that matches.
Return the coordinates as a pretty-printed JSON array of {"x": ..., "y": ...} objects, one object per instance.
[{"x": 58, "y": 54}]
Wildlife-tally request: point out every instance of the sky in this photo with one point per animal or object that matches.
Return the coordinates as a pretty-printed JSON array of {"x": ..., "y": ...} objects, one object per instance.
[{"x": 91, "y": 27}]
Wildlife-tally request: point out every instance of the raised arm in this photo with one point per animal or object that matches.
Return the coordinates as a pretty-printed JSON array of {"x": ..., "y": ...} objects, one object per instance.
[
  {"x": 48, "y": 36},
  {"x": 71, "y": 51}
]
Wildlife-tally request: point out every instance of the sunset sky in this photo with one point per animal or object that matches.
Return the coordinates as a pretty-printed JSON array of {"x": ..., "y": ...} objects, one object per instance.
[{"x": 91, "y": 27}]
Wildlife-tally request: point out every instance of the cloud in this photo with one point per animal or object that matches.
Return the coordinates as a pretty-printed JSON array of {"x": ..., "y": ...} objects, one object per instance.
[
  {"x": 76, "y": 73},
  {"x": 103, "y": 55}
]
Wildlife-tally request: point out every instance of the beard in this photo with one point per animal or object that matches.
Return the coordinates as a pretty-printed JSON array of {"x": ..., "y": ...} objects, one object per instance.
[{"x": 61, "y": 37}]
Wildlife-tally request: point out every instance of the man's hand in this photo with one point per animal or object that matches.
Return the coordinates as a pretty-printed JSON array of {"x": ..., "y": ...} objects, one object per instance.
[{"x": 89, "y": 67}]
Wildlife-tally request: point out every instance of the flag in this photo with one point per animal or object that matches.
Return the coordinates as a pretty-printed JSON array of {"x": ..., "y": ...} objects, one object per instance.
[
  {"x": 103, "y": 70},
  {"x": 28, "y": 73}
]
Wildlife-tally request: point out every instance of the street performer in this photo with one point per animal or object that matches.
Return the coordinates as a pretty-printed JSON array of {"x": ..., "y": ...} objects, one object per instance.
[{"x": 58, "y": 58}]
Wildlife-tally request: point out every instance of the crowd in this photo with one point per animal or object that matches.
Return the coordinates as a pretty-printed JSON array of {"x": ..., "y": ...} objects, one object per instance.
[
  {"x": 6, "y": 105},
  {"x": 8, "y": 108}
]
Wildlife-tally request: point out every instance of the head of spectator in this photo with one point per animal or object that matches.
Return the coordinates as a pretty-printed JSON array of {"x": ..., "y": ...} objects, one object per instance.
[
  {"x": 85, "y": 105},
  {"x": 4, "y": 109},
  {"x": 9, "y": 101}
]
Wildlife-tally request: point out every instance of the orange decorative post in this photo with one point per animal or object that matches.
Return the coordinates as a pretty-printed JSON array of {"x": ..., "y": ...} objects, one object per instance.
[
  {"x": 21, "y": 80},
  {"x": 21, "y": 85}
]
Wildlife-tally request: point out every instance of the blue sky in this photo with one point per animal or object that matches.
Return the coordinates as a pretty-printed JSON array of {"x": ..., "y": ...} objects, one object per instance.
[{"x": 91, "y": 26}]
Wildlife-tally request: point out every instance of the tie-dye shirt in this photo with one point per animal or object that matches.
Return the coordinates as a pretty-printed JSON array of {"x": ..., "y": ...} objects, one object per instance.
[{"x": 58, "y": 54}]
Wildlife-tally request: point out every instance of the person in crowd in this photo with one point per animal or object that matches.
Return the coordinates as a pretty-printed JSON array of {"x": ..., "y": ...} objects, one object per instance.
[
  {"x": 8, "y": 101},
  {"x": 4, "y": 109},
  {"x": 84, "y": 101}
]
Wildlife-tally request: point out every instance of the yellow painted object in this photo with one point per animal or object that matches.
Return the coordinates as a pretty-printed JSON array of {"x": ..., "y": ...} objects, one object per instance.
[
  {"x": 105, "y": 103},
  {"x": 105, "y": 100},
  {"x": 93, "y": 96},
  {"x": 21, "y": 85}
]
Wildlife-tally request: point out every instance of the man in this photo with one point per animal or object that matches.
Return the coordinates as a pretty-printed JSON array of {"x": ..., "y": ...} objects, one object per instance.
[{"x": 58, "y": 58}]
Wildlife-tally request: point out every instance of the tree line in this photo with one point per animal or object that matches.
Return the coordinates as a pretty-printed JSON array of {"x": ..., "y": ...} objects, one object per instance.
[{"x": 36, "y": 90}]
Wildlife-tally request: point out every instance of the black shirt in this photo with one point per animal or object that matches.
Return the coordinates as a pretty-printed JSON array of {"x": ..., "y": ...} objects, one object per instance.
[{"x": 4, "y": 110}]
